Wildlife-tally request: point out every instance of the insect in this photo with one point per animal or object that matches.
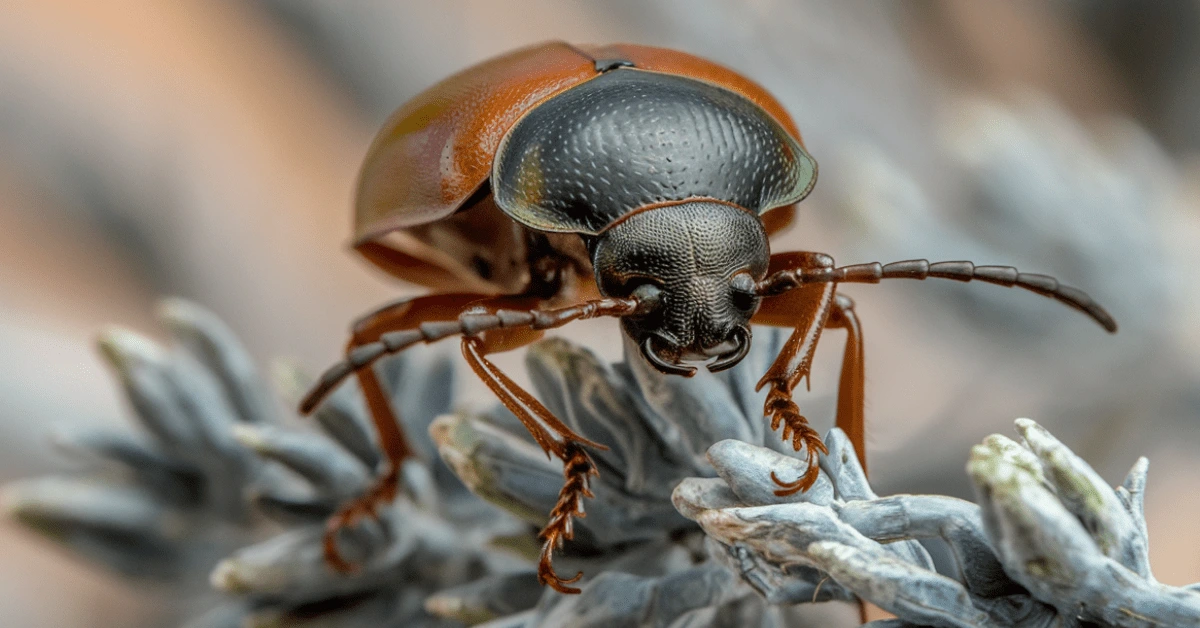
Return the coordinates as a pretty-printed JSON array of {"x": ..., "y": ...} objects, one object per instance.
[{"x": 558, "y": 183}]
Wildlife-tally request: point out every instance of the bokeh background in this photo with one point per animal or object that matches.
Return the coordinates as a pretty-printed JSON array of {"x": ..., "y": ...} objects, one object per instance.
[{"x": 209, "y": 149}]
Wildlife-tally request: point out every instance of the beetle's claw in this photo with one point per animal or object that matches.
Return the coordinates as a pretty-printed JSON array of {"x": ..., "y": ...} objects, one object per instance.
[
  {"x": 333, "y": 556},
  {"x": 783, "y": 411},
  {"x": 578, "y": 468},
  {"x": 384, "y": 491},
  {"x": 547, "y": 575},
  {"x": 800, "y": 484}
]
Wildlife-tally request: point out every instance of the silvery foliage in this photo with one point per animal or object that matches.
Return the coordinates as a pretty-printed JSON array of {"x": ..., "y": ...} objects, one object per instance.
[
  {"x": 431, "y": 541},
  {"x": 646, "y": 564},
  {"x": 680, "y": 533},
  {"x": 1048, "y": 544},
  {"x": 164, "y": 503},
  {"x": 216, "y": 473},
  {"x": 214, "y": 470}
]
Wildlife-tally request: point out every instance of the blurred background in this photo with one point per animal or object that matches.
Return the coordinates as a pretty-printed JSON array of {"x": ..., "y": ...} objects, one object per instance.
[{"x": 209, "y": 150}]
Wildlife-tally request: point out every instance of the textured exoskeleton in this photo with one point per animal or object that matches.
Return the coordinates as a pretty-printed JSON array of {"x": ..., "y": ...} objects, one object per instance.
[{"x": 559, "y": 182}]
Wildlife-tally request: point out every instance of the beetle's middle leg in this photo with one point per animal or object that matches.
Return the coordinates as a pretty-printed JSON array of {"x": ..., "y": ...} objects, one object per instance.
[
  {"x": 851, "y": 386},
  {"x": 405, "y": 314}
]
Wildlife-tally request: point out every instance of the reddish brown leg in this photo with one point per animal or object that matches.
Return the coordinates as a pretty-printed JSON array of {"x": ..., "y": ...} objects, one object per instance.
[
  {"x": 488, "y": 325},
  {"x": 851, "y": 395},
  {"x": 578, "y": 467},
  {"x": 401, "y": 315},
  {"x": 809, "y": 309},
  {"x": 554, "y": 436},
  {"x": 806, "y": 309}
]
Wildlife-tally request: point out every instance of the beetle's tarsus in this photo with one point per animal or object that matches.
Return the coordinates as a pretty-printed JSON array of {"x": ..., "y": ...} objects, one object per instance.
[
  {"x": 799, "y": 485},
  {"x": 578, "y": 468},
  {"x": 784, "y": 412},
  {"x": 384, "y": 491}
]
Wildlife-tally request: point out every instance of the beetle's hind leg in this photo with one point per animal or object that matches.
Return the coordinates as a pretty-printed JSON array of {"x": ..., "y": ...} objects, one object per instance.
[
  {"x": 487, "y": 327},
  {"x": 395, "y": 448},
  {"x": 383, "y": 491}
]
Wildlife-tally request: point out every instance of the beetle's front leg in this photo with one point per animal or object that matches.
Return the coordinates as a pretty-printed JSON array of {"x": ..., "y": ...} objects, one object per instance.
[
  {"x": 563, "y": 443},
  {"x": 806, "y": 309},
  {"x": 791, "y": 367},
  {"x": 554, "y": 436}
]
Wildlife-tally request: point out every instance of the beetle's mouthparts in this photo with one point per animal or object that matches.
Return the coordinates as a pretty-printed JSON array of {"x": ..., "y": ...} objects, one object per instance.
[
  {"x": 663, "y": 365},
  {"x": 740, "y": 336}
]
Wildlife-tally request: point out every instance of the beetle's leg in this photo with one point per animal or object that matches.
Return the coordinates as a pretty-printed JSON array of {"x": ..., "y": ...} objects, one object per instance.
[
  {"x": 806, "y": 309},
  {"x": 369, "y": 329},
  {"x": 396, "y": 449},
  {"x": 489, "y": 327},
  {"x": 578, "y": 467},
  {"x": 851, "y": 395}
]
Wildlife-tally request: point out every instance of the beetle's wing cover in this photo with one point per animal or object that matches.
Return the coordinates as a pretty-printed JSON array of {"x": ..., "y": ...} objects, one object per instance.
[{"x": 437, "y": 149}]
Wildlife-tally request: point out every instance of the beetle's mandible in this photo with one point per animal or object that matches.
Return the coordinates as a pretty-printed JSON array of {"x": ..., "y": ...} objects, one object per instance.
[{"x": 559, "y": 182}]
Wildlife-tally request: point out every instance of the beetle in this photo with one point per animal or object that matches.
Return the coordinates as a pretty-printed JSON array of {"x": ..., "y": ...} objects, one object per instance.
[{"x": 557, "y": 183}]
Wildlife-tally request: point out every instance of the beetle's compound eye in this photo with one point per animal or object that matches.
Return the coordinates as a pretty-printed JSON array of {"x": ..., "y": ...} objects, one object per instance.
[
  {"x": 745, "y": 297},
  {"x": 649, "y": 298}
]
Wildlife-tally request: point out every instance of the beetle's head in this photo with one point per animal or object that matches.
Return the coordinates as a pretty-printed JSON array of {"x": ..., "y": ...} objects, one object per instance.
[{"x": 693, "y": 268}]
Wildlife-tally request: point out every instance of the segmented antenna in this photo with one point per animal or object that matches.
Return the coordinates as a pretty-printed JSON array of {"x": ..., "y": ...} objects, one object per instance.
[
  {"x": 1045, "y": 285},
  {"x": 466, "y": 324}
]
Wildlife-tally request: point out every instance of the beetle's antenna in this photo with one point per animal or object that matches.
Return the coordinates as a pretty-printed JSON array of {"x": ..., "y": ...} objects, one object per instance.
[
  {"x": 784, "y": 280},
  {"x": 467, "y": 324}
]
